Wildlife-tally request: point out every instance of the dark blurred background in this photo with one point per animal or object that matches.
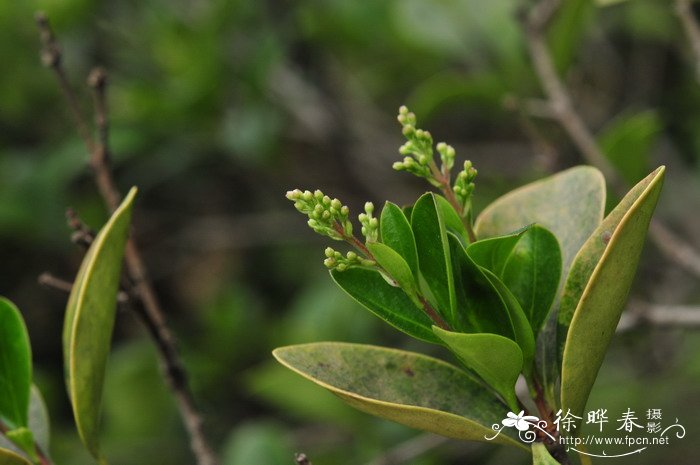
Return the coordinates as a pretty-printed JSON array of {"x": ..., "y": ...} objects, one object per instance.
[{"x": 219, "y": 107}]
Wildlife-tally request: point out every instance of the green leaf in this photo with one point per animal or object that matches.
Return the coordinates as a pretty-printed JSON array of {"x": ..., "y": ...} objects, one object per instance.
[
  {"x": 570, "y": 204},
  {"x": 452, "y": 220},
  {"x": 496, "y": 359},
  {"x": 480, "y": 306},
  {"x": 15, "y": 366},
  {"x": 405, "y": 387},
  {"x": 89, "y": 322},
  {"x": 389, "y": 303},
  {"x": 533, "y": 272},
  {"x": 434, "y": 254},
  {"x": 493, "y": 253},
  {"x": 598, "y": 285},
  {"x": 520, "y": 326},
  {"x": 396, "y": 233},
  {"x": 541, "y": 456},
  {"x": 628, "y": 141},
  {"x": 397, "y": 268},
  {"x": 7, "y": 457}
]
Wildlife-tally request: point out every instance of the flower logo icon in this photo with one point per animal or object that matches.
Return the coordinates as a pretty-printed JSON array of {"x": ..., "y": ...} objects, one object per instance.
[{"x": 519, "y": 421}]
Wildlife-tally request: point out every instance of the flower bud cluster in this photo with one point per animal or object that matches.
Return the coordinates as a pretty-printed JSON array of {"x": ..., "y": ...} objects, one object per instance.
[
  {"x": 418, "y": 149},
  {"x": 328, "y": 217},
  {"x": 370, "y": 224},
  {"x": 447, "y": 156},
  {"x": 336, "y": 261},
  {"x": 464, "y": 185}
]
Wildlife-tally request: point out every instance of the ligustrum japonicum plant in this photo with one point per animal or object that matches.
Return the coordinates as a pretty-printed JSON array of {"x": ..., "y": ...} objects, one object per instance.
[{"x": 533, "y": 287}]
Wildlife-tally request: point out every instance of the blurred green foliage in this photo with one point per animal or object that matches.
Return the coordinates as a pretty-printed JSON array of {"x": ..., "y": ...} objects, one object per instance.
[{"x": 219, "y": 107}]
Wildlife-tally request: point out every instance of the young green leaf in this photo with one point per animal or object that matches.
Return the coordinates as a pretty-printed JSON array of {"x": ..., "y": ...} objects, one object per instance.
[
  {"x": 89, "y": 322},
  {"x": 396, "y": 266},
  {"x": 541, "y": 456},
  {"x": 480, "y": 306},
  {"x": 493, "y": 253},
  {"x": 412, "y": 389},
  {"x": 453, "y": 223},
  {"x": 434, "y": 254},
  {"x": 389, "y": 303},
  {"x": 15, "y": 366},
  {"x": 599, "y": 282},
  {"x": 520, "y": 325},
  {"x": 570, "y": 204},
  {"x": 496, "y": 359},
  {"x": 533, "y": 272},
  {"x": 396, "y": 233},
  {"x": 8, "y": 457}
]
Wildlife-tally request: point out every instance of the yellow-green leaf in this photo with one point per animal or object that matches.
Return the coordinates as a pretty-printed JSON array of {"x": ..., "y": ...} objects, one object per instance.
[
  {"x": 599, "y": 282},
  {"x": 7, "y": 457},
  {"x": 405, "y": 387},
  {"x": 89, "y": 322}
]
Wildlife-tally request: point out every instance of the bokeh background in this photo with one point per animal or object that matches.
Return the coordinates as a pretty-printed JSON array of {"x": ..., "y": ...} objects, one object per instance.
[{"x": 219, "y": 107}]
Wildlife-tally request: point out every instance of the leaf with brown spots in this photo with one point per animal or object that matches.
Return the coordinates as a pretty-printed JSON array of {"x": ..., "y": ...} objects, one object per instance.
[{"x": 408, "y": 388}]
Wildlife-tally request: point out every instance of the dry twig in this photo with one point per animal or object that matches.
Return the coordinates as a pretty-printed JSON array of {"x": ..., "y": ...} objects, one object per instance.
[
  {"x": 149, "y": 309},
  {"x": 662, "y": 316},
  {"x": 558, "y": 99}
]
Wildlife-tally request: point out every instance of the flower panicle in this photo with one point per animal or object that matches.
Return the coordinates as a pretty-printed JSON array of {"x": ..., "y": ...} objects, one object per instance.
[
  {"x": 418, "y": 152},
  {"x": 328, "y": 217}
]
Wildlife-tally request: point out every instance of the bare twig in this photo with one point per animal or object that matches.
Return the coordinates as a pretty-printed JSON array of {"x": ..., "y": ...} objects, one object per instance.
[
  {"x": 52, "y": 58},
  {"x": 563, "y": 111},
  {"x": 49, "y": 280},
  {"x": 82, "y": 234},
  {"x": 558, "y": 96},
  {"x": 100, "y": 159},
  {"x": 684, "y": 10},
  {"x": 53, "y": 282},
  {"x": 664, "y": 316},
  {"x": 150, "y": 309}
]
